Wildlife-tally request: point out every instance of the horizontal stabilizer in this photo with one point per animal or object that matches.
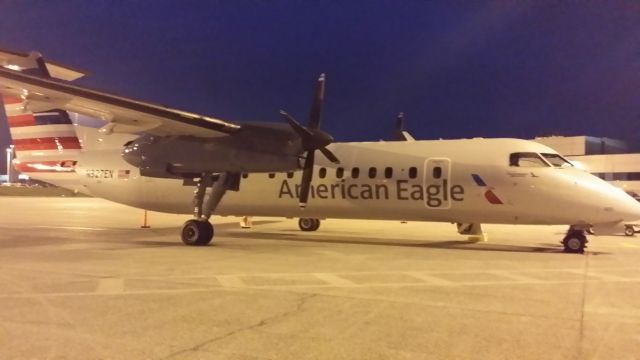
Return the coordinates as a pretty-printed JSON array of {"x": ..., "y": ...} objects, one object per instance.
[{"x": 22, "y": 62}]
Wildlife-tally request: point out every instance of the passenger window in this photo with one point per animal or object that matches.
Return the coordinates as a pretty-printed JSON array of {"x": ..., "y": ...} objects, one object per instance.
[
  {"x": 372, "y": 173},
  {"x": 290, "y": 174},
  {"x": 339, "y": 173},
  {"x": 245, "y": 175},
  {"x": 437, "y": 172},
  {"x": 388, "y": 172},
  {"x": 322, "y": 173},
  {"x": 272, "y": 175},
  {"x": 413, "y": 172},
  {"x": 526, "y": 159},
  {"x": 355, "y": 173}
]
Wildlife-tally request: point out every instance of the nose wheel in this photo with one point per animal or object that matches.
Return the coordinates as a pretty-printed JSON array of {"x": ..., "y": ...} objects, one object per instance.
[
  {"x": 308, "y": 224},
  {"x": 575, "y": 241}
]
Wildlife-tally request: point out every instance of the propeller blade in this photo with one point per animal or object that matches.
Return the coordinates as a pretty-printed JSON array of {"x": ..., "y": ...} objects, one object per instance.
[
  {"x": 329, "y": 155},
  {"x": 316, "y": 106},
  {"x": 303, "y": 132},
  {"x": 305, "y": 183},
  {"x": 312, "y": 139}
]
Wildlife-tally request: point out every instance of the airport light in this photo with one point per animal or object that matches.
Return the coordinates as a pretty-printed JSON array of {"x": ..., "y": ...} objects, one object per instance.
[
  {"x": 8, "y": 164},
  {"x": 9, "y": 157}
]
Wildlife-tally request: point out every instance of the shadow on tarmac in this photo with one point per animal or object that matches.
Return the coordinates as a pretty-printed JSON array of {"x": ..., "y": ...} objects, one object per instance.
[
  {"x": 445, "y": 244},
  {"x": 233, "y": 231},
  {"x": 146, "y": 238}
]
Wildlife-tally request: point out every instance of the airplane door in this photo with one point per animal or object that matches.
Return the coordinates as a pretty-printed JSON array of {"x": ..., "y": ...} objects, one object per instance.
[{"x": 437, "y": 172}]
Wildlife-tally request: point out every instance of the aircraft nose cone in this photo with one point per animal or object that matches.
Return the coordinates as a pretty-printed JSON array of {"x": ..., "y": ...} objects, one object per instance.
[
  {"x": 631, "y": 209},
  {"x": 609, "y": 203}
]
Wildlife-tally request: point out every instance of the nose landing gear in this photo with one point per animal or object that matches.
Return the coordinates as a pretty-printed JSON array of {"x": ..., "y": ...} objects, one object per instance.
[
  {"x": 575, "y": 241},
  {"x": 308, "y": 224}
]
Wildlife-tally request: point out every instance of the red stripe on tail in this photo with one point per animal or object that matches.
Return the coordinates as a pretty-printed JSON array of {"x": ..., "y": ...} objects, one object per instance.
[
  {"x": 50, "y": 143},
  {"x": 11, "y": 100},
  {"x": 45, "y": 166},
  {"x": 21, "y": 120}
]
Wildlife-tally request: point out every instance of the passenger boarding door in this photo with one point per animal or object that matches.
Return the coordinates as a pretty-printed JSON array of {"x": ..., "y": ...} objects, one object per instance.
[{"x": 437, "y": 172}]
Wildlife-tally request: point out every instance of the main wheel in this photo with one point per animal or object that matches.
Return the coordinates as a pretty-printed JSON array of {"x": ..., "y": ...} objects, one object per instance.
[
  {"x": 629, "y": 230},
  {"x": 197, "y": 233},
  {"x": 308, "y": 224},
  {"x": 574, "y": 242}
]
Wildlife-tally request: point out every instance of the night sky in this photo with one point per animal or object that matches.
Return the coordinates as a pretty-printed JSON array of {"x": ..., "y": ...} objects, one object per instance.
[{"x": 456, "y": 68}]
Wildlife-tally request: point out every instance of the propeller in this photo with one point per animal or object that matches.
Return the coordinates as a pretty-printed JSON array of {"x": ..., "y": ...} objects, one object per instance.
[{"x": 312, "y": 139}]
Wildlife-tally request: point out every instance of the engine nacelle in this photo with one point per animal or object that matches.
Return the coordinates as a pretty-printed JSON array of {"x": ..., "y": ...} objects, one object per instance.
[{"x": 255, "y": 148}]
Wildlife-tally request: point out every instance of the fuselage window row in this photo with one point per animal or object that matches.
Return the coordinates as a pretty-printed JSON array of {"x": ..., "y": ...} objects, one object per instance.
[{"x": 355, "y": 173}]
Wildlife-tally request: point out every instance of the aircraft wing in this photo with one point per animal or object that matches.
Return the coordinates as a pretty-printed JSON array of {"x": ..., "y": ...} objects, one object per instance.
[{"x": 122, "y": 115}]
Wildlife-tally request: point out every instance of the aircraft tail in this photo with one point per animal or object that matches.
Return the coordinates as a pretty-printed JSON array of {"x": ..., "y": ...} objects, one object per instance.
[
  {"x": 45, "y": 142},
  {"x": 400, "y": 134}
]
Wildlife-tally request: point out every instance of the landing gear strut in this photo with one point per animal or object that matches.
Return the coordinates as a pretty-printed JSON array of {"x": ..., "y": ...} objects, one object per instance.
[
  {"x": 575, "y": 241},
  {"x": 199, "y": 231},
  {"x": 308, "y": 224}
]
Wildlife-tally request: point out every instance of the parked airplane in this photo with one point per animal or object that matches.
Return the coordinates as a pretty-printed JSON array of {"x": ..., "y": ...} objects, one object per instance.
[{"x": 153, "y": 157}]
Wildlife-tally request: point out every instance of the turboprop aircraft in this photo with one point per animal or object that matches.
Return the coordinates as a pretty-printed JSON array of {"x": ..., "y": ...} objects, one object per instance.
[{"x": 162, "y": 159}]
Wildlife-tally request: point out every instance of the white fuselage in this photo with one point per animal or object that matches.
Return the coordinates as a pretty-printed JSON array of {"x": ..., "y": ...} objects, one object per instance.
[{"x": 465, "y": 181}]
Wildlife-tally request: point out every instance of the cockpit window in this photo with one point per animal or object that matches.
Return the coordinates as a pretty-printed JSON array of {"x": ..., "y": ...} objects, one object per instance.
[
  {"x": 527, "y": 159},
  {"x": 557, "y": 160}
]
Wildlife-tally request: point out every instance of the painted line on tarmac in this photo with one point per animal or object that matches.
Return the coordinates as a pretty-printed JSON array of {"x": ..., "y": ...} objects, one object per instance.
[
  {"x": 70, "y": 228},
  {"x": 112, "y": 289},
  {"x": 110, "y": 286},
  {"x": 430, "y": 279},
  {"x": 515, "y": 276},
  {"x": 230, "y": 281},
  {"x": 624, "y": 312},
  {"x": 597, "y": 274},
  {"x": 334, "y": 279},
  {"x": 627, "y": 245}
]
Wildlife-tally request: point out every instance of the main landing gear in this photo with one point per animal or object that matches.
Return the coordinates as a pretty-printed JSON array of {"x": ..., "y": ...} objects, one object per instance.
[
  {"x": 575, "y": 241},
  {"x": 199, "y": 231},
  {"x": 308, "y": 224}
]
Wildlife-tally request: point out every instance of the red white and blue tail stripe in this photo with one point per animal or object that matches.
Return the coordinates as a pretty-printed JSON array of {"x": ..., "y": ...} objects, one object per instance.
[{"x": 43, "y": 141}]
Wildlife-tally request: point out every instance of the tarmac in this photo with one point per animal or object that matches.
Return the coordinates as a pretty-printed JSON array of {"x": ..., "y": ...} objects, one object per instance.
[{"x": 80, "y": 279}]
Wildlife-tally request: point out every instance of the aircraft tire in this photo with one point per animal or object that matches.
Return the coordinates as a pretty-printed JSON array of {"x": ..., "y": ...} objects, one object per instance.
[
  {"x": 197, "y": 233},
  {"x": 629, "y": 230},
  {"x": 308, "y": 224},
  {"x": 574, "y": 242}
]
